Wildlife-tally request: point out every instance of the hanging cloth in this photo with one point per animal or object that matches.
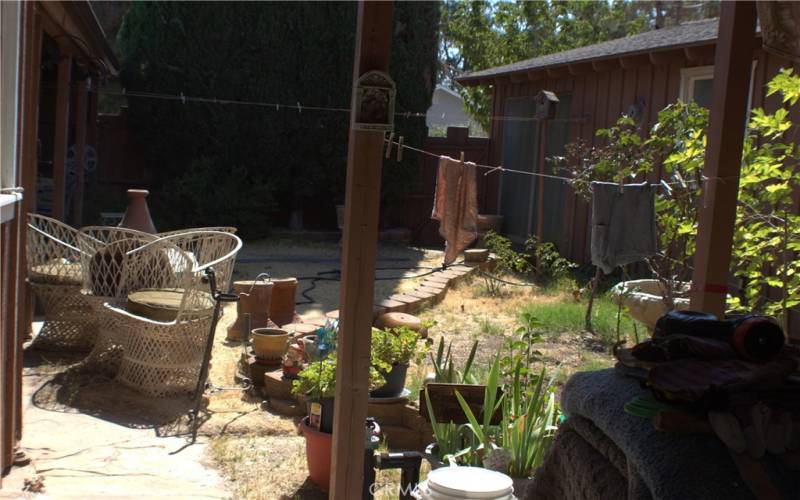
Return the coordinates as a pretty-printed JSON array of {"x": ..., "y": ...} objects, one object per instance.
[
  {"x": 623, "y": 224},
  {"x": 455, "y": 206}
]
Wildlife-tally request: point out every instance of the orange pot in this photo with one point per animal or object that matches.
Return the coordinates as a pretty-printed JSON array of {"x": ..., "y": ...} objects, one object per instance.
[
  {"x": 318, "y": 454},
  {"x": 281, "y": 306}
]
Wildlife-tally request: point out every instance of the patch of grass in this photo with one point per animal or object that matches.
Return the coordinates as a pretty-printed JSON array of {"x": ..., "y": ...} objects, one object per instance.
[
  {"x": 488, "y": 327},
  {"x": 591, "y": 362},
  {"x": 567, "y": 316}
]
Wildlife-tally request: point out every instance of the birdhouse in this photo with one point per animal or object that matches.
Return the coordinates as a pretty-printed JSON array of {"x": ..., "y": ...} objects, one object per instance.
[
  {"x": 546, "y": 105},
  {"x": 374, "y": 109}
]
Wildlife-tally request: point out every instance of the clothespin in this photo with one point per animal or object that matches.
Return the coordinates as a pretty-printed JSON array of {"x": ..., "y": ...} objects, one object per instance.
[
  {"x": 400, "y": 149},
  {"x": 183, "y": 98},
  {"x": 299, "y": 108},
  {"x": 499, "y": 167},
  {"x": 277, "y": 107},
  {"x": 408, "y": 115},
  {"x": 621, "y": 184},
  {"x": 389, "y": 146},
  {"x": 666, "y": 186},
  {"x": 462, "y": 158}
]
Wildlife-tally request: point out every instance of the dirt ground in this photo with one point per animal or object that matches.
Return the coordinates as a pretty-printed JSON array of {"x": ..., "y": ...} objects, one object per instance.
[{"x": 258, "y": 454}]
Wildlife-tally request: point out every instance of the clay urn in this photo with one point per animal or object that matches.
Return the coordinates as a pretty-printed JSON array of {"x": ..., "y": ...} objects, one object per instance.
[
  {"x": 137, "y": 215},
  {"x": 281, "y": 307},
  {"x": 254, "y": 299}
]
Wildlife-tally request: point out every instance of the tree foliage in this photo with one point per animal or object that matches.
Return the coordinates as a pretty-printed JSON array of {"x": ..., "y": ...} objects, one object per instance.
[
  {"x": 766, "y": 239},
  {"x": 482, "y": 34},
  {"x": 236, "y": 164}
]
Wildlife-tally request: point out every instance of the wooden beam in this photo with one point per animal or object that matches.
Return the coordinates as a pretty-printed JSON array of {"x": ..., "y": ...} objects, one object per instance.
[
  {"x": 605, "y": 64},
  {"x": 664, "y": 57},
  {"x": 699, "y": 53},
  {"x": 535, "y": 75},
  {"x": 633, "y": 62},
  {"x": 723, "y": 156},
  {"x": 29, "y": 132},
  {"x": 359, "y": 248},
  {"x": 518, "y": 77},
  {"x": 91, "y": 130},
  {"x": 559, "y": 72},
  {"x": 579, "y": 69},
  {"x": 61, "y": 137},
  {"x": 80, "y": 151}
]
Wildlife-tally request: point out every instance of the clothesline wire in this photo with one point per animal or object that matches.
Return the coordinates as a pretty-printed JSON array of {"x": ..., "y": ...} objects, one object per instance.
[
  {"x": 300, "y": 107},
  {"x": 537, "y": 174},
  {"x": 407, "y": 114}
]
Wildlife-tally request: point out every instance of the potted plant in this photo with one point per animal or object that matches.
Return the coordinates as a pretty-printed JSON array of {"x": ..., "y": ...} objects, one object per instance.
[
  {"x": 391, "y": 352},
  {"x": 316, "y": 383}
]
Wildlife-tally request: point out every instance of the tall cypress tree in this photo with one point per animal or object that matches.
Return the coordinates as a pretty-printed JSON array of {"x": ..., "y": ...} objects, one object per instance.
[{"x": 243, "y": 164}]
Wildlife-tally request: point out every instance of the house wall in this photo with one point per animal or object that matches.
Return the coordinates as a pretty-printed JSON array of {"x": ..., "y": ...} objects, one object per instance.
[{"x": 598, "y": 99}]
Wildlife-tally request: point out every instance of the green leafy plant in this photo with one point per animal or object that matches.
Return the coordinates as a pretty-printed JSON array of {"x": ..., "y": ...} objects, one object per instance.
[
  {"x": 318, "y": 379},
  {"x": 529, "y": 419},
  {"x": 448, "y": 436},
  {"x": 444, "y": 368},
  {"x": 767, "y": 236},
  {"x": 394, "y": 346}
]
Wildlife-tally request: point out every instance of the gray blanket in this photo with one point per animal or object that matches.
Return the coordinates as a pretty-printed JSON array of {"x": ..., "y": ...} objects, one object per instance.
[{"x": 669, "y": 466}]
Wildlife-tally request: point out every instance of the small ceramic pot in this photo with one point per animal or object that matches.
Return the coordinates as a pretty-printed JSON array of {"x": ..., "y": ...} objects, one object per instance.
[
  {"x": 318, "y": 454},
  {"x": 269, "y": 343}
]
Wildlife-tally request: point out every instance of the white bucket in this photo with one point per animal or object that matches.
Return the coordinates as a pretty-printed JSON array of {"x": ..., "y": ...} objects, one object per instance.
[{"x": 458, "y": 483}]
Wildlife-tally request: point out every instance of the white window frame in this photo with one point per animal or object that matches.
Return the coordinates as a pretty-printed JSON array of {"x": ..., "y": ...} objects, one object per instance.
[
  {"x": 691, "y": 75},
  {"x": 10, "y": 32}
]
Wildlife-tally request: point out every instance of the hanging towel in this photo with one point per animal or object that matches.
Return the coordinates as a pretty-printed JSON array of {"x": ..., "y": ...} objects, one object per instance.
[
  {"x": 623, "y": 224},
  {"x": 455, "y": 206}
]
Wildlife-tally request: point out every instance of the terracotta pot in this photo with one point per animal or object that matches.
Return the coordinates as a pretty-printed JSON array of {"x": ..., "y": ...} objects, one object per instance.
[
  {"x": 281, "y": 306},
  {"x": 269, "y": 343},
  {"x": 254, "y": 298},
  {"x": 318, "y": 454},
  {"x": 137, "y": 215}
]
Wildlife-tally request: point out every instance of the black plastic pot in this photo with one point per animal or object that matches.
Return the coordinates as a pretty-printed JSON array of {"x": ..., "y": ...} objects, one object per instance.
[{"x": 395, "y": 383}]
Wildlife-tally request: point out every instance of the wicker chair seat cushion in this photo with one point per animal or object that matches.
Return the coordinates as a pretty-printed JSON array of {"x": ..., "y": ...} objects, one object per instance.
[
  {"x": 56, "y": 272},
  {"x": 163, "y": 305}
]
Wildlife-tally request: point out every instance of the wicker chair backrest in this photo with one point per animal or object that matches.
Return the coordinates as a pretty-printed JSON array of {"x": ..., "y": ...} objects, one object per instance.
[{"x": 52, "y": 251}]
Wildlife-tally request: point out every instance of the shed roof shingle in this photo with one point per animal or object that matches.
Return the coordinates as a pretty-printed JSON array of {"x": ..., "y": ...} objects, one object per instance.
[{"x": 691, "y": 33}]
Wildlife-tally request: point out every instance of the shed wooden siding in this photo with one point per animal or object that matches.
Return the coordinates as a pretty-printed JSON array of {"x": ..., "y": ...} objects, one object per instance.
[{"x": 600, "y": 94}]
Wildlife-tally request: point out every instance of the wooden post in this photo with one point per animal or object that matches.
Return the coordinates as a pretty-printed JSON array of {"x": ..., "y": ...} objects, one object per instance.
[
  {"x": 731, "y": 85},
  {"x": 359, "y": 247},
  {"x": 80, "y": 152},
  {"x": 61, "y": 137}
]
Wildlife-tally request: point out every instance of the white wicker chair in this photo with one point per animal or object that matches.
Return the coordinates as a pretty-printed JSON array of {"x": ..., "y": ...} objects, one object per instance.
[
  {"x": 163, "y": 358},
  {"x": 107, "y": 277},
  {"x": 54, "y": 273}
]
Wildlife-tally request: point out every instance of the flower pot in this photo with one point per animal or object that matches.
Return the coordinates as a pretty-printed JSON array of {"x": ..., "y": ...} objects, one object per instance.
[
  {"x": 281, "y": 306},
  {"x": 269, "y": 343},
  {"x": 395, "y": 383},
  {"x": 486, "y": 222},
  {"x": 254, "y": 299},
  {"x": 318, "y": 454},
  {"x": 326, "y": 418},
  {"x": 137, "y": 215},
  {"x": 645, "y": 299}
]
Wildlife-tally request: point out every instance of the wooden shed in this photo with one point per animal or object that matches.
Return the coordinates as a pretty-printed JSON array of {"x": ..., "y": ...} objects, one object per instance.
[{"x": 638, "y": 75}]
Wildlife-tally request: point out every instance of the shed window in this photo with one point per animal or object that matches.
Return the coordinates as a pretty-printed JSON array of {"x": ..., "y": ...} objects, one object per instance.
[{"x": 696, "y": 85}]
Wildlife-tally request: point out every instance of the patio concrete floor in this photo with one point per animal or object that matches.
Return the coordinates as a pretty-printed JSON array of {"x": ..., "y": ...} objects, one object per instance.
[{"x": 81, "y": 455}]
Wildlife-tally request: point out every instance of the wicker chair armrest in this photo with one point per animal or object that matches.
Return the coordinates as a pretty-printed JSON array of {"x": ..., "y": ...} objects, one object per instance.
[{"x": 123, "y": 312}]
